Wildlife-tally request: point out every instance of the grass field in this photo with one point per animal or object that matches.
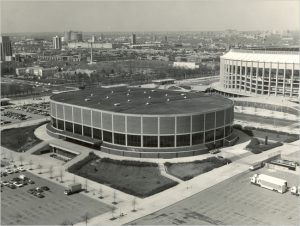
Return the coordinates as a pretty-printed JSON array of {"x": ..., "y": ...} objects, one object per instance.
[
  {"x": 188, "y": 170},
  {"x": 19, "y": 139},
  {"x": 139, "y": 179}
]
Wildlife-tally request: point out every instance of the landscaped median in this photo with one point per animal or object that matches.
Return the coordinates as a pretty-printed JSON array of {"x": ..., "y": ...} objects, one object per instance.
[
  {"x": 141, "y": 179},
  {"x": 188, "y": 170},
  {"x": 20, "y": 139}
]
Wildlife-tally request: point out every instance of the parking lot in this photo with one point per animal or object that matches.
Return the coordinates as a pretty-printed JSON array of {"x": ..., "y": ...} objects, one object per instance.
[
  {"x": 233, "y": 202},
  {"x": 18, "y": 207},
  {"x": 13, "y": 114}
]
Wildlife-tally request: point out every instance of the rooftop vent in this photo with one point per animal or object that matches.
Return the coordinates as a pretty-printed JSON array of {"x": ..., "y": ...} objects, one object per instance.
[
  {"x": 87, "y": 99},
  {"x": 117, "y": 104},
  {"x": 149, "y": 97},
  {"x": 107, "y": 97},
  {"x": 92, "y": 94},
  {"x": 112, "y": 91},
  {"x": 182, "y": 94},
  {"x": 127, "y": 94},
  {"x": 168, "y": 99},
  {"x": 153, "y": 90},
  {"x": 184, "y": 97},
  {"x": 166, "y": 94},
  {"x": 128, "y": 100},
  {"x": 147, "y": 103},
  {"x": 145, "y": 92},
  {"x": 129, "y": 90}
]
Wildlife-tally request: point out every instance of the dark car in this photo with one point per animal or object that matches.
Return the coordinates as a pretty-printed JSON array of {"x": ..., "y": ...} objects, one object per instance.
[
  {"x": 12, "y": 186},
  {"x": 40, "y": 195},
  {"x": 31, "y": 190},
  {"x": 31, "y": 181},
  {"x": 45, "y": 188}
]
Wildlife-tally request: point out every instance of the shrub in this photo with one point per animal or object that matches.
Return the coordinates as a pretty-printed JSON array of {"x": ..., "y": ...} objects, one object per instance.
[{"x": 187, "y": 177}]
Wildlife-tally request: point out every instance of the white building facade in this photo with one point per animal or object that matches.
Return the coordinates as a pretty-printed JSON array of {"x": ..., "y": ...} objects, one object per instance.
[{"x": 260, "y": 72}]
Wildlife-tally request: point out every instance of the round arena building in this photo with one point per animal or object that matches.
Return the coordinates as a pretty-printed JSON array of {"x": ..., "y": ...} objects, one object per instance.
[
  {"x": 259, "y": 72},
  {"x": 139, "y": 122}
]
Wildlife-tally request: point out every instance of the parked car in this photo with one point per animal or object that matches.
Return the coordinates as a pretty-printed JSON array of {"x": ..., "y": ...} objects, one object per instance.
[
  {"x": 21, "y": 169},
  {"x": 31, "y": 190},
  {"x": 40, "y": 195},
  {"x": 39, "y": 189},
  {"x": 45, "y": 188},
  {"x": 18, "y": 184},
  {"x": 31, "y": 181},
  {"x": 9, "y": 171},
  {"x": 12, "y": 186}
]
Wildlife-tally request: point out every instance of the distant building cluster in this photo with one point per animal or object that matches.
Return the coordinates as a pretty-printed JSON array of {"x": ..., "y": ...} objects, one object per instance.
[
  {"x": 36, "y": 71},
  {"x": 73, "y": 36}
]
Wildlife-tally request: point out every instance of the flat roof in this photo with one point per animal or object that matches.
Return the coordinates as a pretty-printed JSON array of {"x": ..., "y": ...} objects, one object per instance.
[
  {"x": 263, "y": 56},
  {"x": 133, "y": 100}
]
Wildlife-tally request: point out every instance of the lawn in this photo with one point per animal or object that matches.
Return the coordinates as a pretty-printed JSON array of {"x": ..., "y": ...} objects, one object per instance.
[
  {"x": 188, "y": 170},
  {"x": 273, "y": 135},
  {"x": 136, "y": 178},
  {"x": 19, "y": 139}
]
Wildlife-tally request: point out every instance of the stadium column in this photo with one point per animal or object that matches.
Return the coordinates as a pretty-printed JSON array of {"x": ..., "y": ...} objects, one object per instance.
[
  {"x": 81, "y": 114},
  {"x": 251, "y": 74},
  {"x": 158, "y": 132},
  {"x": 126, "y": 130},
  {"x": 292, "y": 80},
  {"x": 241, "y": 65},
  {"x": 256, "y": 76},
  {"x": 263, "y": 79},
  {"x": 191, "y": 130},
  {"x": 175, "y": 139},
  {"x": 283, "y": 84},
  {"x": 276, "y": 85},
  {"x": 270, "y": 69},
  {"x": 142, "y": 127},
  {"x": 73, "y": 120}
]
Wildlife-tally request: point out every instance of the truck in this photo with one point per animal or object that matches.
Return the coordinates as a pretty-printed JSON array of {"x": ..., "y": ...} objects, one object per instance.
[
  {"x": 73, "y": 188},
  {"x": 272, "y": 183},
  {"x": 295, "y": 190},
  {"x": 256, "y": 166}
]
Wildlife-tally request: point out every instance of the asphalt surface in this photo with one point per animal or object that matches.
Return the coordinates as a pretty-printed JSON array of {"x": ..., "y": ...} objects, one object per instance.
[
  {"x": 263, "y": 120},
  {"x": 18, "y": 207},
  {"x": 233, "y": 202}
]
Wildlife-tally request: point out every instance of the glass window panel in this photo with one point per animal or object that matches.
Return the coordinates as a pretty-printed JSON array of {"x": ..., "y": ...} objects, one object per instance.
[
  {"x": 197, "y": 138},
  {"x": 134, "y": 140},
  {"x": 78, "y": 129},
  {"x": 119, "y": 138},
  {"x": 97, "y": 134},
  {"x": 107, "y": 136},
  {"x": 167, "y": 141},
  {"x": 87, "y": 131},
  {"x": 150, "y": 141},
  {"x": 183, "y": 140}
]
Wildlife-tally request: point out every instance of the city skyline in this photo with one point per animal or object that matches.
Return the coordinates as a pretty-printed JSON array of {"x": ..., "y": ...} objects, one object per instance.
[{"x": 146, "y": 16}]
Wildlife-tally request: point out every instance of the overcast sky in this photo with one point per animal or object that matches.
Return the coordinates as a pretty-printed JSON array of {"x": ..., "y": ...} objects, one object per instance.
[{"x": 146, "y": 15}]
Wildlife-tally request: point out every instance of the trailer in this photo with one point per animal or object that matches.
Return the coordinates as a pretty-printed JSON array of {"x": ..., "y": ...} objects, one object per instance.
[
  {"x": 73, "y": 188},
  {"x": 272, "y": 183},
  {"x": 295, "y": 190},
  {"x": 256, "y": 166}
]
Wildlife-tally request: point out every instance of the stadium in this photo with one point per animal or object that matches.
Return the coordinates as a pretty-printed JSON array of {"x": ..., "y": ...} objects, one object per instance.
[
  {"x": 259, "y": 73},
  {"x": 141, "y": 122}
]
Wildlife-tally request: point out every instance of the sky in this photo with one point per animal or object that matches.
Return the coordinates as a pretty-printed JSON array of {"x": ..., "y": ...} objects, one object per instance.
[{"x": 148, "y": 15}]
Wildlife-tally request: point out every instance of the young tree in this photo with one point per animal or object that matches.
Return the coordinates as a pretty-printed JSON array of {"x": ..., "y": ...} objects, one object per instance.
[
  {"x": 112, "y": 213},
  {"x": 86, "y": 217},
  {"x": 21, "y": 159},
  {"x": 30, "y": 164},
  {"x": 86, "y": 185},
  {"x": 61, "y": 175},
  {"x": 40, "y": 167},
  {"x": 51, "y": 171},
  {"x": 101, "y": 192},
  {"x": 134, "y": 205},
  {"x": 115, "y": 198}
]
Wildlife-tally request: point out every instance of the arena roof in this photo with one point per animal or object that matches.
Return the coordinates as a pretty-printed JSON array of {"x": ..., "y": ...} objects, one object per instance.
[
  {"x": 263, "y": 56},
  {"x": 134, "y": 100}
]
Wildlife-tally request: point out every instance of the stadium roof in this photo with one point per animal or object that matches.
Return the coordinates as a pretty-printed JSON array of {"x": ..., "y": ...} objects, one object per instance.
[
  {"x": 134, "y": 100},
  {"x": 263, "y": 56}
]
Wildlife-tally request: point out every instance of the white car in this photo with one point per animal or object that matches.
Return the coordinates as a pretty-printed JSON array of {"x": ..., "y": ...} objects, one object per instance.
[
  {"x": 18, "y": 184},
  {"x": 9, "y": 171},
  {"x": 21, "y": 169}
]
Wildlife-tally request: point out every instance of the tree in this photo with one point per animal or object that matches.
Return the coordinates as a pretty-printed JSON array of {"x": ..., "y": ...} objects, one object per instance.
[
  {"x": 134, "y": 204},
  {"x": 61, "y": 175},
  {"x": 21, "y": 159},
  {"x": 115, "y": 198},
  {"x": 112, "y": 213},
  {"x": 30, "y": 164},
  {"x": 101, "y": 192},
  {"x": 40, "y": 167},
  {"x": 86, "y": 217},
  {"x": 86, "y": 185},
  {"x": 51, "y": 171}
]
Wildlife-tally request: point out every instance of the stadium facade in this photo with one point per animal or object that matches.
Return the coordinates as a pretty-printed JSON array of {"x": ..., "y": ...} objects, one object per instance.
[
  {"x": 140, "y": 122},
  {"x": 259, "y": 73}
]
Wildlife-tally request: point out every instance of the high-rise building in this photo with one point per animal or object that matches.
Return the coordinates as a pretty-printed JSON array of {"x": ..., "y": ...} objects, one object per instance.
[
  {"x": 93, "y": 39},
  {"x": 73, "y": 36},
  {"x": 5, "y": 48},
  {"x": 56, "y": 42},
  {"x": 166, "y": 39},
  {"x": 133, "y": 39}
]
